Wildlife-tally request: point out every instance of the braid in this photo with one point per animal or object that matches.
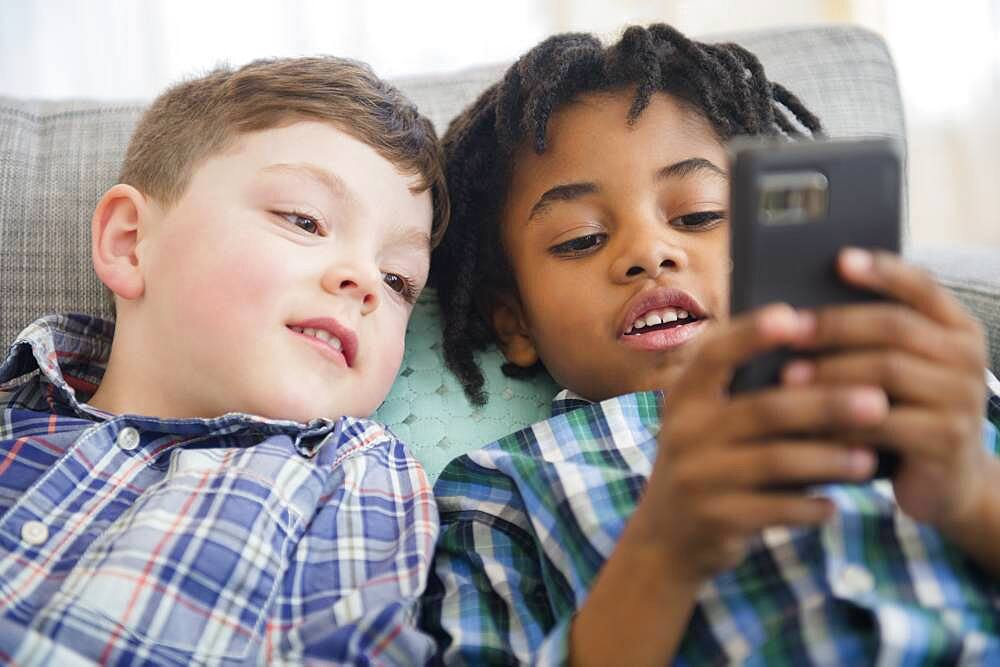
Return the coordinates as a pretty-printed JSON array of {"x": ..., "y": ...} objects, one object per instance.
[
  {"x": 788, "y": 100},
  {"x": 552, "y": 72},
  {"x": 724, "y": 82},
  {"x": 641, "y": 62}
]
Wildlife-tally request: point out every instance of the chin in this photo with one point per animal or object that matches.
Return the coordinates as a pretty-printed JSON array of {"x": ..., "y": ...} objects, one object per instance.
[
  {"x": 288, "y": 410},
  {"x": 661, "y": 381}
]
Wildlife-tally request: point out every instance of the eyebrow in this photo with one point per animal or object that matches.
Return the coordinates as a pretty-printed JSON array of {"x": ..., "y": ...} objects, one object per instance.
[
  {"x": 572, "y": 191},
  {"x": 567, "y": 192},
  {"x": 690, "y": 166},
  {"x": 415, "y": 238},
  {"x": 335, "y": 184},
  {"x": 329, "y": 180}
]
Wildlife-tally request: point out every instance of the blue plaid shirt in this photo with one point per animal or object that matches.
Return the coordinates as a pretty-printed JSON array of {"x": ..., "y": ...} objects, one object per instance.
[
  {"x": 528, "y": 521},
  {"x": 132, "y": 540}
]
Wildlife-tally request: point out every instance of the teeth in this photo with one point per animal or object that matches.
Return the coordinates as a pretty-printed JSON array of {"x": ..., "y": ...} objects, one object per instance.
[
  {"x": 321, "y": 334},
  {"x": 665, "y": 316}
]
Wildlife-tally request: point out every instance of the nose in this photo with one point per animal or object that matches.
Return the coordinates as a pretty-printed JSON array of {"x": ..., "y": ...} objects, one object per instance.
[
  {"x": 650, "y": 248},
  {"x": 353, "y": 281}
]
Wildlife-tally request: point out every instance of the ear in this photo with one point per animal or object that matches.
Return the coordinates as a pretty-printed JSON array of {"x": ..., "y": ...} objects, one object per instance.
[
  {"x": 512, "y": 330},
  {"x": 114, "y": 237}
]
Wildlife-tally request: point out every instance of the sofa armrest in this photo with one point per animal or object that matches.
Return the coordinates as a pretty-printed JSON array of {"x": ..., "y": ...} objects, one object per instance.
[{"x": 973, "y": 274}]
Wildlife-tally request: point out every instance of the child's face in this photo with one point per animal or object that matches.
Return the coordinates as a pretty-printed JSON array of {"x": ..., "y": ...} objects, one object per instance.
[
  {"x": 295, "y": 228},
  {"x": 612, "y": 224}
]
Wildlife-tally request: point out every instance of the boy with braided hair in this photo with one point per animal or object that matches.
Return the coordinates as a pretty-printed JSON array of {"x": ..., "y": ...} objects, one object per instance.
[{"x": 656, "y": 517}]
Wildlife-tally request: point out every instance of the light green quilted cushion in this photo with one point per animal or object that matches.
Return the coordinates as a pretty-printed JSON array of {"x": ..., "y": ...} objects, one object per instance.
[{"x": 427, "y": 409}]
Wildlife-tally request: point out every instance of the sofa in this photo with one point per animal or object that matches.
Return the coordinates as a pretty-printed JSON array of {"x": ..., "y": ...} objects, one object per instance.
[{"x": 58, "y": 157}]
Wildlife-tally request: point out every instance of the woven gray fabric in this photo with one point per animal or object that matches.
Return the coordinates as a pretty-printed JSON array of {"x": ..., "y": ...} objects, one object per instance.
[
  {"x": 56, "y": 160},
  {"x": 973, "y": 274},
  {"x": 844, "y": 73}
]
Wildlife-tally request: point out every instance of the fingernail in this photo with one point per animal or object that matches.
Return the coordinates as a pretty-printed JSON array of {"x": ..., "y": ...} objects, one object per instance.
[
  {"x": 868, "y": 403},
  {"x": 861, "y": 461},
  {"x": 799, "y": 372},
  {"x": 807, "y": 323},
  {"x": 857, "y": 260},
  {"x": 779, "y": 320}
]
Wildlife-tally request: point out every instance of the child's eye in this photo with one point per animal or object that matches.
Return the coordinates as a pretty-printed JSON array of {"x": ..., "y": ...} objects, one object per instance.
[
  {"x": 700, "y": 221},
  {"x": 401, "y": 285},
  {"x": 580, "y": 245},
  {"x": 307, "y": 223}
]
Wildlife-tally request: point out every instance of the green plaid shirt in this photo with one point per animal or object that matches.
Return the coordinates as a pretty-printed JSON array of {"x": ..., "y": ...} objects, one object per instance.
[{"x": 528, "y": 521}]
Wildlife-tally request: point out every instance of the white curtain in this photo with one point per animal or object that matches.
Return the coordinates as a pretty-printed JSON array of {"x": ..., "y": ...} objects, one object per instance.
[
  {"x": 115, "y": 49},
  {"x": 948, "y": 57}
]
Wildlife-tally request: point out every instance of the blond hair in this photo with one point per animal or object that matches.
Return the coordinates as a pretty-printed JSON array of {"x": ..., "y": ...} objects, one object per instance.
[{"x": 196, "y": 119}]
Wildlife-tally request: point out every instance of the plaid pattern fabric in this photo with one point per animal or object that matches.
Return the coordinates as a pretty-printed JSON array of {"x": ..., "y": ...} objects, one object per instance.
[
  {"x": 235, "y": 540},
  {"x": 528, "y": 521}
]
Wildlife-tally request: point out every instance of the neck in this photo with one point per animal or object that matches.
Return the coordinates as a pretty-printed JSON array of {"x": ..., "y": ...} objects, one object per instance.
[{"x": 136, "y": 382}]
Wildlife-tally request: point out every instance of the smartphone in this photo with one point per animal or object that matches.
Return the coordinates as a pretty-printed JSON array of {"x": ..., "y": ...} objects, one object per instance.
[{"x": 793, "y": 207}]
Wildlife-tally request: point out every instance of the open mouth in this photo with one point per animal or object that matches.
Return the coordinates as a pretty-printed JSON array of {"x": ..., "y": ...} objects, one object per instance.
[
  {"x": 329, "y": 337},
  {"x": 659, "y": 320},
  {"x": 329, "y": 347}
]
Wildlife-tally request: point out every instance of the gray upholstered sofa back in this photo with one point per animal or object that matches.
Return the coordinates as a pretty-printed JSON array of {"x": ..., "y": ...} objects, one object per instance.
[{"x": 57, "y": 158}]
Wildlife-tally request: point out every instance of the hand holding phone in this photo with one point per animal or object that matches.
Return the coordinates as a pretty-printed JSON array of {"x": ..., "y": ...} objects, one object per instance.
[{"x": 794, "y": 206}]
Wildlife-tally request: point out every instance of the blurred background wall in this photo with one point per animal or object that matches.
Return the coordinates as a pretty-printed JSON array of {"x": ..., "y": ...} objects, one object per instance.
[{"x": 947, "y": 55}]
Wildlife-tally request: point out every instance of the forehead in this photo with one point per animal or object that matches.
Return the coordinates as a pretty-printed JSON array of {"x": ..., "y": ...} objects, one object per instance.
[
  {"x": 591, "y": 141},
  {"x": 596, "y": 125},
  {"x": 327, "y": 161}
]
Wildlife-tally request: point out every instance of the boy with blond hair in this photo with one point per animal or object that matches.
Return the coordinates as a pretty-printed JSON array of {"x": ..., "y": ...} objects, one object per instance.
[{"x": 197, "y": 481}]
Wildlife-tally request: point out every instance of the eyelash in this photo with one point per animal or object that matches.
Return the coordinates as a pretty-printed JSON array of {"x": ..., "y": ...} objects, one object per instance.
[
  {"x": 576, "y": 248},
  {"x": 583, "y": 245},
  {"x": 703, "y": 219},
  {"x": 408, "y": 292},
  {"x": 287, "y": 215}
]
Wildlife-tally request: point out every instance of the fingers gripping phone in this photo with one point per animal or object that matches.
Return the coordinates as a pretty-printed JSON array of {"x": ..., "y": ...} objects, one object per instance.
[{"x": 793, "y": 207}]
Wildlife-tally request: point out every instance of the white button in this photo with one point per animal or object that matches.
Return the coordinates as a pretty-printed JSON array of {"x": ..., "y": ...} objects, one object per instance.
[
  {"x": 128, "y": 438},
  {"x": 34, "y": 532},
  {"x": 855, "y": 580}
]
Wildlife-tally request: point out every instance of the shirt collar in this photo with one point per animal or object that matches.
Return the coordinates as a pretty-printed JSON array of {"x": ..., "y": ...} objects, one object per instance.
[
  {"x": 992, "y": 383},
  {"x": 70, "y": 353},
  {"x": 566, "y": 401}
]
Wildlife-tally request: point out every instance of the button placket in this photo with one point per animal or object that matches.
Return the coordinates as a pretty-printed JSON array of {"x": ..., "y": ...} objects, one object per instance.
[
  {"x": 34, "y": 532},
  {"x": 853, "y": 580},
  {"x": 128, "y": 439}
]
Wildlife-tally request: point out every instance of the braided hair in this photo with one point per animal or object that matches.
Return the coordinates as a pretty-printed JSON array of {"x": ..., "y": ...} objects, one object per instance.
[{"x": 723, "y": 82}]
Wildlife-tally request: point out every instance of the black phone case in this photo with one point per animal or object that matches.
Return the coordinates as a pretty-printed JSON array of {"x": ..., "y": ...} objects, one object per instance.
[{"x": 796, "y": 263}]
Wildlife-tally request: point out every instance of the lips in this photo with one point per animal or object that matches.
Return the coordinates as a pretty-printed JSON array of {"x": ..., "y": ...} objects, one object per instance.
[
  {"x": 660, "y": 299},
  {"x": 348, "y": 347},
  {"x": 659, "y": 310}
]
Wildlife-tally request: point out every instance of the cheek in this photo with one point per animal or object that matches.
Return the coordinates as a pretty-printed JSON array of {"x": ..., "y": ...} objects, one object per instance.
[
  {"x": 390, "y": 346},
  {"x": 221, "y": 275},
  {"x": 724, "y": 275},
  {"x": 713, "y": 270}
]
